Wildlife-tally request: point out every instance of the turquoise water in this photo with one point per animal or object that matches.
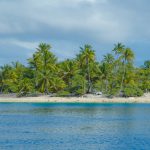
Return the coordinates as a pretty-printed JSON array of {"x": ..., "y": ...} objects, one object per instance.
[{"x": 74, "y": 126}]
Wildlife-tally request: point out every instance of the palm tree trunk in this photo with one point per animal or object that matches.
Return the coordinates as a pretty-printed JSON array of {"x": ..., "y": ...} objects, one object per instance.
[
  {"x": 123, "y": 76},
  {"x": 2, "y": 85},
  {"x": 2, "y": 89},
  {"x": 84, "y": 88},
  {"x": 35, "y": 79},
  {"x": 46, "y": 87},
  {"x": 89, "y": 77},
  {"x": 106, "y": 85}
]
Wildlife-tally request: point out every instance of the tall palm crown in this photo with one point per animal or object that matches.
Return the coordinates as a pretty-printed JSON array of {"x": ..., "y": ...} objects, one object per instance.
[
  {"x": 47, "y": 58},
  {"x": 118, "y": 49},
  {"x": 128, "y": 55},
  {"x": 109, "y": 58},
  {"x": 87, "y": 54}
]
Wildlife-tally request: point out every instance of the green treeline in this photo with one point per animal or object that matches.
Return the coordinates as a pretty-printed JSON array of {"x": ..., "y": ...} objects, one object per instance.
[{"x": 115, "y": 75}]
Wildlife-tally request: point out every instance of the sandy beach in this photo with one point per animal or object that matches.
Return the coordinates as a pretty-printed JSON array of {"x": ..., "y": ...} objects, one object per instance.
[{"x": 89, "y": 99}]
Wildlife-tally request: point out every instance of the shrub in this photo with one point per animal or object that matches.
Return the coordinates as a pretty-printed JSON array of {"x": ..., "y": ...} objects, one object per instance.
[
  {"x": 132, "y": 92},
  {"x": 63, "y": 94}
]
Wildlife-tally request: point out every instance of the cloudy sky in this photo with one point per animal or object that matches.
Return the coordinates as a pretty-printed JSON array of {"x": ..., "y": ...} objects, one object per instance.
[{"x": 69, "y": 24}]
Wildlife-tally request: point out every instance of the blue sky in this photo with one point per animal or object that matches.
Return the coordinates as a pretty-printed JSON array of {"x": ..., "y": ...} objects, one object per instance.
[{"x": 69, "y": 24}]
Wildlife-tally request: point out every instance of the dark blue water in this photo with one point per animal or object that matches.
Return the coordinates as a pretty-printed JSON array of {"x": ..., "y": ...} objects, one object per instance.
[{"x": 74, "y": 126}]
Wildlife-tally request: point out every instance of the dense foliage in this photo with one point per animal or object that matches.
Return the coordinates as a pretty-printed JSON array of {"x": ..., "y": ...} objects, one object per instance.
[{"x": 115, "y": 75}]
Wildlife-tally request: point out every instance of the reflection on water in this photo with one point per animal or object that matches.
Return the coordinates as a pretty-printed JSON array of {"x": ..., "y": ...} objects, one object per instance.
[{"x": 74, "y": 126}]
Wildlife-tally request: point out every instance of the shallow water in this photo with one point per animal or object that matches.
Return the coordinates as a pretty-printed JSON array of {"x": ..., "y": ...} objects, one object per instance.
[{"x": 74, "y": 126}]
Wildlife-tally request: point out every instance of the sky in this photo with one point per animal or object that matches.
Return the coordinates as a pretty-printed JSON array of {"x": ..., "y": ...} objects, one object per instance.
[{"x": 69, "y": 24}]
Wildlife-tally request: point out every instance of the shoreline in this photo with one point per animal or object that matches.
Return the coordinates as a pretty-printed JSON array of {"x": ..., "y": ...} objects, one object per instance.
[{"x": 94, "y": 99}]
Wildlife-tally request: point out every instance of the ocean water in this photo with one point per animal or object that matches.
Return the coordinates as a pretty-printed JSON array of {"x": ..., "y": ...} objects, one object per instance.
[{"x": 74, "y": 126}]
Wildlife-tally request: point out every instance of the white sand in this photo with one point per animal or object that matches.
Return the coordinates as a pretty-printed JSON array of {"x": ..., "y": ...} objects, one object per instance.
[{"x": 93, "y": 99}]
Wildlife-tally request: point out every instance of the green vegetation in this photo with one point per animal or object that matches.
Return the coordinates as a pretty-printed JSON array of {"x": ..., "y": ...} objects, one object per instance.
[{"x": 115, "y": 75}]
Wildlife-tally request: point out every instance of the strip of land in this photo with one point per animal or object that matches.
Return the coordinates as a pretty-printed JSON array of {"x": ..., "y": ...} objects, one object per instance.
[{"x": 89, "y": 99}]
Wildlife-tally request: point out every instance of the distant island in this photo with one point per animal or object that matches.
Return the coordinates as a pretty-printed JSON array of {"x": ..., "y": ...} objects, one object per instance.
[{"x": 114, "y": 76}]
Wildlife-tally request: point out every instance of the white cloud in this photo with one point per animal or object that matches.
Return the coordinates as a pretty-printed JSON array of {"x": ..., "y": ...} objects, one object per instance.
[
  {"x": 20, "y": 43},
  {"x": 103, "y": 22},
  {"x": 25, "y": 44},
  {"x": 65, "y": 15}
]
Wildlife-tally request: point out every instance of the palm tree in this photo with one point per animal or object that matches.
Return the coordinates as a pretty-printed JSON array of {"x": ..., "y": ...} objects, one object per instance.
[
  {"x": 119, "y": 48},
  {"x": 24, "y": 87},
  {"x": 127, "y": 57},
  {"x": 44, "y": 64},
  {"x": 35, "y": 65},
  {"x": 108, "y": 58},
  {"x": 68, "y": 69},
  {"x": 5, "y": 74},
  {"x": 57, "y": 84},
  {"x": 107, "y": 69},
  {"x": 85, "y": 57}
]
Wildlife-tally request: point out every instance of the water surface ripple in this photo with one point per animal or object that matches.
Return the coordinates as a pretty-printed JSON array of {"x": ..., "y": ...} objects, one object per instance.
[{"x": 74, "y": 126}]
